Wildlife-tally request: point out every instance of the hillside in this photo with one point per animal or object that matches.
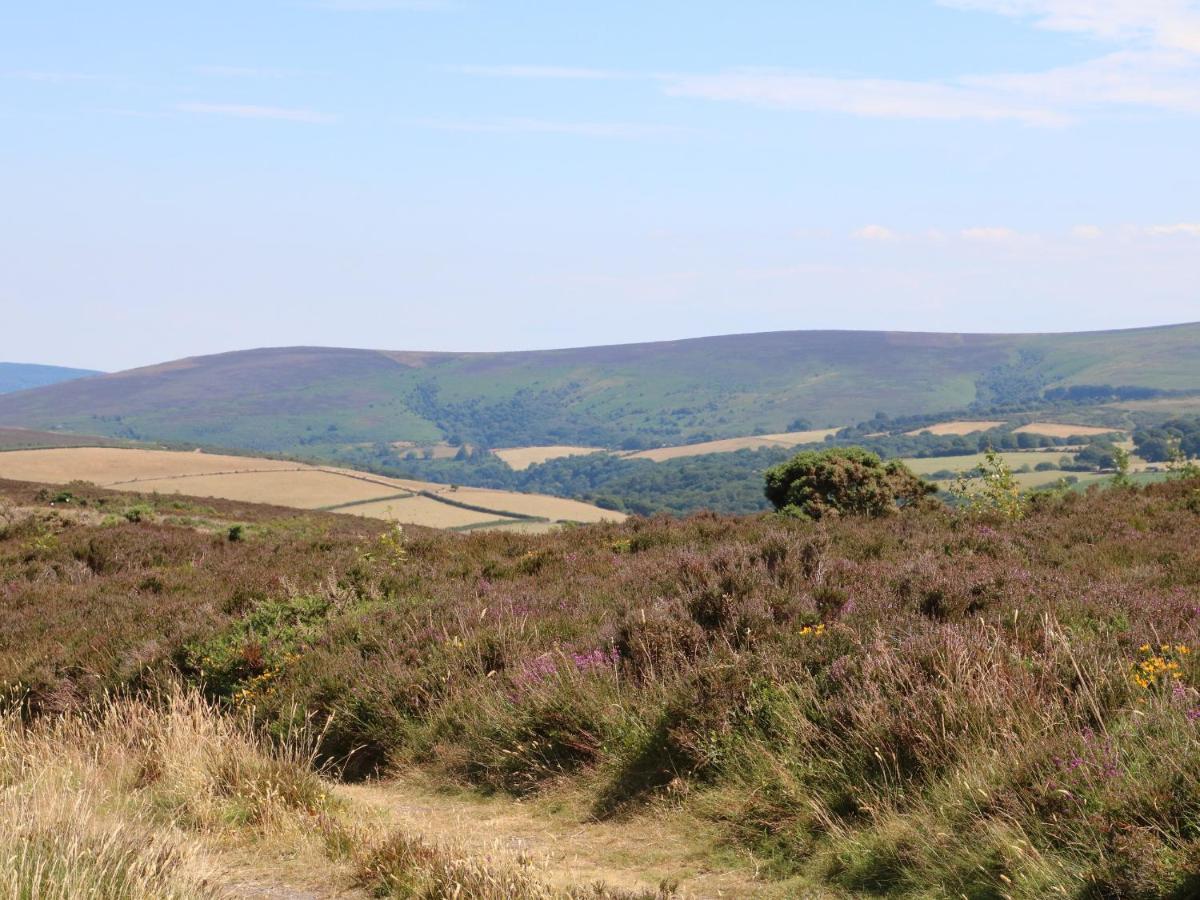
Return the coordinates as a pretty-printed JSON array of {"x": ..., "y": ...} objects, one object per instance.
[
  {"x": 939, "y": 704},
  {"x": 22, "y": 376},
  {"x": 633, "y": 396}
]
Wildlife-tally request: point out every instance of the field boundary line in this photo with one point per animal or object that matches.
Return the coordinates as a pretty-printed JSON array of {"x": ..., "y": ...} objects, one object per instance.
[{"x": 405, "y": 496}]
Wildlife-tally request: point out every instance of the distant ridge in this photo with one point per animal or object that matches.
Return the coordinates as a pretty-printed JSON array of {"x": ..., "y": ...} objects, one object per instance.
[
  {"x": 22, "y": 376},
  {"x": 291, "y": 398}
]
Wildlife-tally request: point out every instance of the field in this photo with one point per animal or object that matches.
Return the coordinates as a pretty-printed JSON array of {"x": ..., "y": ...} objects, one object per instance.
[
  {"x": 284, "y": 483},
  {"x": 1014, "y": 459},
  {"x": 1061, "y": 430},
  {"x": 304, "y": 400},
  {"x": 521, "y": 458},
  {"x": 956, "y": 428},
  {"x": 732, "y": 445},
  {"x": 938, "y": 704}
]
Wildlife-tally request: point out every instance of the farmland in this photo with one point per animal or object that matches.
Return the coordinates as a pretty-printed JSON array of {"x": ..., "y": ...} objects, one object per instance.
[
  {"x": 957, "y": 427},
  {"x": 285, "y": 483},
  {"x": 732, "y": 445},
  {"x": 521, "y": 458},
  {"x": 1064, "y": 430}
]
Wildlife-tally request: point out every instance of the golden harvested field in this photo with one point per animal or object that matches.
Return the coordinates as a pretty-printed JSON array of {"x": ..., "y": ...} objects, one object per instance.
[
  {"x": 302, "y": 488},
  {"x": 953, "y": 428},
  {"x": 553, "y": 508},
  {"x": 284, "y": 483},
  {"x": 418, "y": 510},
  {"x": 1061, "y": 430},
  {"x": 519, "y": 458},
  {"x": 112, "y": 465},
  {"x": 731, "y": 445}
]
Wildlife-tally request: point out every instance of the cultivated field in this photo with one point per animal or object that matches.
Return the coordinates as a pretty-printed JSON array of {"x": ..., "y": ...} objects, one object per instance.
[
  {"x": 953, "y": 428},
  {"x": 1014, "y": 459},
  {"x": 731, "y": 445},
  {"x": 520, "y": 458},
  {"x": 283, "y": 483},
  {"x": 1063, "y": 430}
]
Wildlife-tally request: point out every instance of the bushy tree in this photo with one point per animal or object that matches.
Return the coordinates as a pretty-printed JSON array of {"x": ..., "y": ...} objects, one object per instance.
[{"x": 843, "y": 481}]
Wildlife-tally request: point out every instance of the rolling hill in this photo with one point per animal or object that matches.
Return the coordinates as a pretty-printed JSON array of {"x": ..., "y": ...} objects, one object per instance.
[
  {"x": 22, "y": 376},
  {"x": 308, "y": 399}
]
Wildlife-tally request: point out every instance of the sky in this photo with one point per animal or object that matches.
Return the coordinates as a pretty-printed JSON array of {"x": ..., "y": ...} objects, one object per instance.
[{"x": 209, "y": 175}]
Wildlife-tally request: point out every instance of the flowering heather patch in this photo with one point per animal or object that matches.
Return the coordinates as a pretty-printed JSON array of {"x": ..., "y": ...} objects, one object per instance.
[{"x": 936, "y": 704}]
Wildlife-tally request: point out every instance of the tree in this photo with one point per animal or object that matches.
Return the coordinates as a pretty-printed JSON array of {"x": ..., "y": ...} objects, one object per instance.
[{"x": 843, "y": 481}]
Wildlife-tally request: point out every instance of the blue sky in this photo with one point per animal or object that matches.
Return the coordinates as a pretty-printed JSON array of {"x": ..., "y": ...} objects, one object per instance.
[{"x": 192, "y": 177}]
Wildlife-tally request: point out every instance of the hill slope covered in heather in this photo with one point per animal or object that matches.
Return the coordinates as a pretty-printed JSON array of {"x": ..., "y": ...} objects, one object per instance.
[{"x": 290, "y": 399}]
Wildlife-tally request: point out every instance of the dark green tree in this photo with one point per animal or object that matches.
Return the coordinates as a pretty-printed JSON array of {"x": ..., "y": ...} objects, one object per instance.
[{"x": 843, "y": 481}]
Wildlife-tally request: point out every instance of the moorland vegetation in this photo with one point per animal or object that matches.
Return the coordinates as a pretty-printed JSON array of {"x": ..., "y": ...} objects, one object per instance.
[{"x": 992, "y": 701}]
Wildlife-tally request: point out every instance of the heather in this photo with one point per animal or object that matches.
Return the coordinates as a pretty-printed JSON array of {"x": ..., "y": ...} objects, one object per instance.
[{"x": 934, "y": 703}]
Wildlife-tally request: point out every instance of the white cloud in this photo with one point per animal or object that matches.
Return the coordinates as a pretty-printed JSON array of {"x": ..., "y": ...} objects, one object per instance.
[
  {"x": 1088, "y": 232},
  {"x": 875, "y": 233},
  {"x": 1173, "y": 24},
  {"x": 991, "y": 234},
  {"x": 877, "y": 98},
  {"x": 1189, "y": 229},
  {"x": 1161, "y": 79},
  {"x": 249, "y": 111}
]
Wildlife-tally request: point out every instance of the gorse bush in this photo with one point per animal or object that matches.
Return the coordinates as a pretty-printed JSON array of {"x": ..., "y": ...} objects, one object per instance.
[
  {"x": 939, "y": 703},
  {"x": 843, "y": 481}
]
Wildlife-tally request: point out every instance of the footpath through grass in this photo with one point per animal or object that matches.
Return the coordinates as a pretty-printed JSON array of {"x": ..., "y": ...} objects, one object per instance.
[{"x": 934, "y": 704}]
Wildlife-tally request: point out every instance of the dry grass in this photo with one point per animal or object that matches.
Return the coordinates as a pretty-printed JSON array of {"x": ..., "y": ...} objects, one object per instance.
[
  {"x": 1061, "y": 430},
  {"x": 520, "y": 458},
  {"x": 168, "y": 798},
  {"x": 731, "y": 445},
  {"x": 956, "y": 428}
]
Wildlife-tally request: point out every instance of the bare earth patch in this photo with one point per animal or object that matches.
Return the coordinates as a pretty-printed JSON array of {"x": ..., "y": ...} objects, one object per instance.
[
  {"x": 1061, "y": 430},
  {"x": 520, "y": 458},
  {"x": 956, "y": 428},
  {"x": 731, "y": 445}
]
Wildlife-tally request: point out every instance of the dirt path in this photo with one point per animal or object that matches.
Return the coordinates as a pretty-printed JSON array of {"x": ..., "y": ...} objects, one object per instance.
[
  {"x": 566, "y": 848},
  {"x": 556, "y": 838}
]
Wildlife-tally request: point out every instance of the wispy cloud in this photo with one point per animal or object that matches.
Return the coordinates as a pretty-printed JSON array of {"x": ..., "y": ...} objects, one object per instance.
[
  {"x": 250, "y": 111},
  {"x": 990, "y": 234},
  {"x": 1174, "y": 24},
  {"x": 1088, "y": 232},
  {"x": 869, "y": 97},
  {"x": 1188, "y": 229},
  {"x": 1158, "y": 67},
  {"x": 548, "y": 126},
  {"x": 875, "y": 233}
]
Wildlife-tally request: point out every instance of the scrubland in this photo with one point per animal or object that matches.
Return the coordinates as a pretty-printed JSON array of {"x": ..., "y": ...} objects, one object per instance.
[{"x": 939, "y": 703}]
